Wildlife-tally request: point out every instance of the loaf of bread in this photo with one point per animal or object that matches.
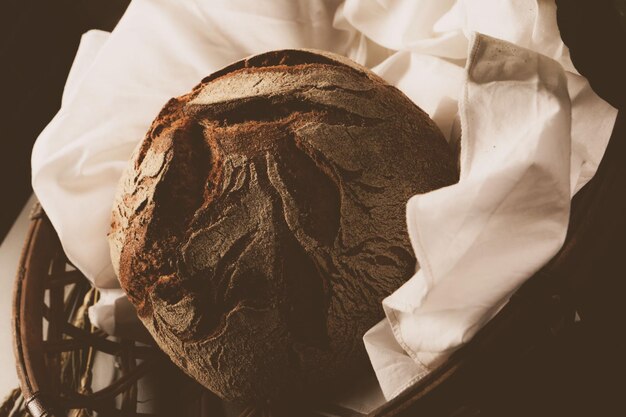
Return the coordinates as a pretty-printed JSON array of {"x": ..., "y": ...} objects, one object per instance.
[{"x": 262, "y": 221}]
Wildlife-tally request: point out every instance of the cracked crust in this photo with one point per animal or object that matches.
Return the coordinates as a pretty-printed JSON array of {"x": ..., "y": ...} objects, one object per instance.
[{"x": 261, "y": 222}]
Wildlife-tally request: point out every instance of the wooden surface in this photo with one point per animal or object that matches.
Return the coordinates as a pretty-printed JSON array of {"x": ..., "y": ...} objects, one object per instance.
[{"x": 10, "y": 251}]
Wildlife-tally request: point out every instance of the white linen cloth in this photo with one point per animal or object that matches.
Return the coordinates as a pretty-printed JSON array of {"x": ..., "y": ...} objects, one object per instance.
[{"x": 532, "y": 132}]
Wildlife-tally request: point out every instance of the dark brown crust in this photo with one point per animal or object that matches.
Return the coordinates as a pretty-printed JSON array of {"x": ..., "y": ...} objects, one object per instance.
[{"x": 262, "y": 222}]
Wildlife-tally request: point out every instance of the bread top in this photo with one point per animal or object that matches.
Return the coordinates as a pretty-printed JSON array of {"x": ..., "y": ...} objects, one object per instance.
[{"x": 262, "y": 220}]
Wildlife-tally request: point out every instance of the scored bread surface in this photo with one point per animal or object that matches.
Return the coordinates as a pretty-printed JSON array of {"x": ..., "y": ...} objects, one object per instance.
[{"x": 262, "y": 220}]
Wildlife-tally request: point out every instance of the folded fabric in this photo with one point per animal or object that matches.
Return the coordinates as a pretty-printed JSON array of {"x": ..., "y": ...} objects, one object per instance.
[
  {"x": 533, "y": 133},
  {"x": 478, "y": 240}
]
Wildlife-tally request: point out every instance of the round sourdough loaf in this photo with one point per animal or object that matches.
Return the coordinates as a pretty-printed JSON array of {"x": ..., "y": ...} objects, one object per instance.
[{"x": 262, "y": 220}]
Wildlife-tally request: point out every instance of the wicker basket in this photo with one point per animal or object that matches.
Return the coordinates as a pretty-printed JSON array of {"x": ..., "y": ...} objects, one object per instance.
[{"x": 55, "y": 344}]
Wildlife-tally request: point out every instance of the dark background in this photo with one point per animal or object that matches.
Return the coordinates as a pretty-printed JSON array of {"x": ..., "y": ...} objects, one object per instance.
[{"x": 38, "y": 42}]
